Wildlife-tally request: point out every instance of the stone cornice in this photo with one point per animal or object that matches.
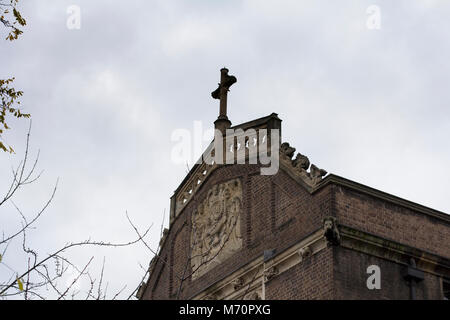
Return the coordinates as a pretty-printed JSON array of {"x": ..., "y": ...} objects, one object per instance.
[
  {"x": 393, "y": 251},
  {"x": 260, "y": 122},
  {"x": 334, "y": 179},
  {"x": 314, "y": 182}
]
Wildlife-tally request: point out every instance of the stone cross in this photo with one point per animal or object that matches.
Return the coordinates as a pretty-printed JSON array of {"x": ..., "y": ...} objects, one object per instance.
[{"x": 226, "y": 81}]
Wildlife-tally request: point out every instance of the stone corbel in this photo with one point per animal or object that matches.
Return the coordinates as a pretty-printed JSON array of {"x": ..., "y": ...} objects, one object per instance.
[
  {"x": 270, "y": 273},
  {"x": 238, "y": 283},
  {"x": 304, "y": 253},
  {"x": 331, "y": 231}
]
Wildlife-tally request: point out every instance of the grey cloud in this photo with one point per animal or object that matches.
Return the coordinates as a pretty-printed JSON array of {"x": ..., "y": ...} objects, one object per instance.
[{"x": 368, "y": 105}]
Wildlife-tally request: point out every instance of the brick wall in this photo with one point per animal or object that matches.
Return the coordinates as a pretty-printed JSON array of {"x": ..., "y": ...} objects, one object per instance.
[
  {"x": 277, "y": 213},
  {"x": 350, "y": 276},
  {"x": 158, "y": 285},
  {"x": 312, "y": 279},
  {"x": 393, "y": 222}
]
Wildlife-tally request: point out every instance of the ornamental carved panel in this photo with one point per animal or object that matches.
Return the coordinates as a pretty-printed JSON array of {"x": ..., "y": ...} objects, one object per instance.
[{"x": 216, "y": 227}]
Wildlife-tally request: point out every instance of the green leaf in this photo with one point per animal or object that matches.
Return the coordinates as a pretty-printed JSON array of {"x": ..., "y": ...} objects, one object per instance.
[{"x": 20, "y": 284}]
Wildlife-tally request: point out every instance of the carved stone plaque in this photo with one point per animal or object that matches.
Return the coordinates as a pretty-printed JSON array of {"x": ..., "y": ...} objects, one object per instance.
[{"x": 216, "y": 227}]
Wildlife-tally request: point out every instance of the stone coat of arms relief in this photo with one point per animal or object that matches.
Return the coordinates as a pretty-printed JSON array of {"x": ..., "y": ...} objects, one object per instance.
[{"x": 216, "y": 227}]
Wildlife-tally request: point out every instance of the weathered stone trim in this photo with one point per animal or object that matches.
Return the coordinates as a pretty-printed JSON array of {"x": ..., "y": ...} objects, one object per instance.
[
  {"x": 251, "y": 276},
  {"x": 331, "y": 178},
  {"x": 300, "y": 167},
  {"x": 337, "y": 180},
  {"x": 393, "y": 251},
  {"x": 187, "y": 191}
]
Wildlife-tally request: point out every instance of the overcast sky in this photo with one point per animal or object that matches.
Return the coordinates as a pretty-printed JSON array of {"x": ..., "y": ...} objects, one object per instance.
[{"x": 371, "y": 105}]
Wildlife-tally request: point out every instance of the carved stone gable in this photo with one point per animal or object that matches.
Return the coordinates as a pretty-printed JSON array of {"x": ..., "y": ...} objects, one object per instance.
[{"x": 216, "y": 227}]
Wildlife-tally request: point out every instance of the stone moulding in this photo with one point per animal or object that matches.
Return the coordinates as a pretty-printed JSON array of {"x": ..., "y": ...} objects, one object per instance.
[
  {"x": 393, "y": 251},
  {"x": 189, "y": 188},
  {"x": 252, "y": 277}
]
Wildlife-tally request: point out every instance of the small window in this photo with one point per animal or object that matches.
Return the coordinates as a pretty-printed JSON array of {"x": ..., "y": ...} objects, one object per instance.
[{"x": 446, "y": 289}]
